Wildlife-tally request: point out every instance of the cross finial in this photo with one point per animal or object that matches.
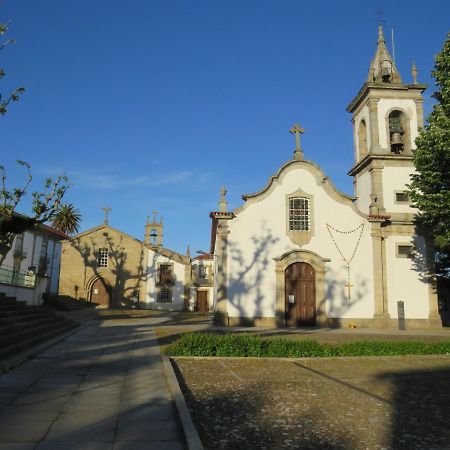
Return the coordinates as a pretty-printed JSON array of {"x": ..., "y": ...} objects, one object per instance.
[
  {"x": 154, "y": 216},
  {"x": 297, "y": 130},
  {"x": 106, "y": 209},
  {"x": 380, "y": 13}
]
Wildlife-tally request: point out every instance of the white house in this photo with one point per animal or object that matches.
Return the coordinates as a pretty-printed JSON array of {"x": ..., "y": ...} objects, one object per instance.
[
  {"x": 300, "y": 253},
  {"x": 32, "y": 265}
]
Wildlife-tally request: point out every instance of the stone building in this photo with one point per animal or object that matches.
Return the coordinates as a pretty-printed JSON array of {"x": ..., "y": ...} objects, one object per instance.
[
  {"x": 300, "y": 253},
  {"x": 107, "y": 266}
]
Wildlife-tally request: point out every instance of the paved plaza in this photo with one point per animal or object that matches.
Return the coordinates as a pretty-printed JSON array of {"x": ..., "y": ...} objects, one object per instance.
[{"x": 102, "y": 388}]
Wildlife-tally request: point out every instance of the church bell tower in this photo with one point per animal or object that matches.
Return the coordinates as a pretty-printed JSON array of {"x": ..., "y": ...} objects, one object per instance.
[{"x": 387, "y": 114}]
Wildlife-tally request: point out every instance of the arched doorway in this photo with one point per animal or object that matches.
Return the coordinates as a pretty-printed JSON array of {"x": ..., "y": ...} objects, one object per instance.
[
  {"x": 101, "y": 293},
  {"x": 300, "y": 295}
]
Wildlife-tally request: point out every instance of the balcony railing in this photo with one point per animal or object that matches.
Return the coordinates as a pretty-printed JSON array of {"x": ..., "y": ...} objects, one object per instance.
[{"x": 16, "y": 278}]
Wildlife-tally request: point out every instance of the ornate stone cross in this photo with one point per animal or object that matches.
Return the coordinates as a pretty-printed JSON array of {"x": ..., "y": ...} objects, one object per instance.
[
  {"x": 348, "y": 285},
  {"x": 106, "y": 209},
  {"x": 154, "y": 216}
]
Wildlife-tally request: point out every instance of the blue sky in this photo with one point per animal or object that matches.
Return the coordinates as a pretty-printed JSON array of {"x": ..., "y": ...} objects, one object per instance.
[{"x": 155, "y": 104}]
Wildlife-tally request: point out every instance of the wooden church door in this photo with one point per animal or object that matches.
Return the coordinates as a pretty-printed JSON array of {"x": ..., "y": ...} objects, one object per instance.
[
  {"x": 100, "y": 293},
  {"x": 300, "y": 291}
]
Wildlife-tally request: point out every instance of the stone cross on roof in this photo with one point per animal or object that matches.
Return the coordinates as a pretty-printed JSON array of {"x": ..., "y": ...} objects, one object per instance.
[
  {"x": 106, "y": 209},
  {"x": 297, "y": 130}
]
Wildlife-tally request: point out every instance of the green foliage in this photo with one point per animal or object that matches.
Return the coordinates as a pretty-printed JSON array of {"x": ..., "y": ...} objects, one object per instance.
[
  {"x": 246, "y": 345},
  {"x": 14, "y": 96},
  {"x": 45, "y": 206},
  {"x": 430, "y": 187},
  {"x": 67, "y": 219}
]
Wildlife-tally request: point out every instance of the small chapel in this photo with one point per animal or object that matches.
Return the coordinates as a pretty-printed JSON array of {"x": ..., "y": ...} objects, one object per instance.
[{"x": 298, "y": 252}]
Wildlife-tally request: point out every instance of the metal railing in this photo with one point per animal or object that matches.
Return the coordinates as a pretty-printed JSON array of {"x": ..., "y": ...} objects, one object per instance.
[{"x": 16, "y": 278}]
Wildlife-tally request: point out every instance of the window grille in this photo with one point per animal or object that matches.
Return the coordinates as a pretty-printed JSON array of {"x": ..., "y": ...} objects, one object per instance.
[
  {"x": 299, "y": 219},
  {"x": 102, "y": 259},
  {"x": 165, "y": 296}
]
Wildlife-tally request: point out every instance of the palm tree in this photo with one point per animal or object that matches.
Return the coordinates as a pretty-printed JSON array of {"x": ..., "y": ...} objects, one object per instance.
[{"x": 67, "y": 219}]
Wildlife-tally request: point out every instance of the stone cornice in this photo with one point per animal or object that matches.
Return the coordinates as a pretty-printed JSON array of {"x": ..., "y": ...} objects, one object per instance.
[
  {"x": 377, "y": 157},
  {"x": 363, "y": 92}
]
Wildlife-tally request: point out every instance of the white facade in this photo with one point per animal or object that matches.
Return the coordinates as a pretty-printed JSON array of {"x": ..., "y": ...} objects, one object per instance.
[
  {"x": 176, "y": 287},
  {"x": 36, "y": 257},
  {"x": 333, "y": 259}
]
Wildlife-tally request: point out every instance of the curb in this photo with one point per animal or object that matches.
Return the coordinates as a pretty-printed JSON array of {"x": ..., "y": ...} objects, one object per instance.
[
  {"x": 20, "y": 358},
  {"x": 190, "y": 432}
]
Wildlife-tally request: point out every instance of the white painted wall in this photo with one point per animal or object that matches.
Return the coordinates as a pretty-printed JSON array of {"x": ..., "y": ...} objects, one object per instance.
[
  {"x": 396, "y": 179},
  {"x": 404, "y": 280},
  {"x": 364, "y": 188},
  {"x": 32, "y": 242},
  {"x": 258, "y": 234},
  {"x": 154, "y": 259},
  {"x": 406, "y": 105}
]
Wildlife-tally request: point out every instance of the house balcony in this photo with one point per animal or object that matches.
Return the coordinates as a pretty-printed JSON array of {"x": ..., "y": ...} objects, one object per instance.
[{"x": 17, "y": 278}]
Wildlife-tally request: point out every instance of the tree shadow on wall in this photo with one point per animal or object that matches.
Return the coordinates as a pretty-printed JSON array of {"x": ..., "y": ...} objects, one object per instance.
[
  {"x": 125, "y": 282},
  {"x": 337, "y": 293},
  {"x": 252, "y": 271},
  {"x": 424, "y": 265},
  {"x": 245, "y": 282}
]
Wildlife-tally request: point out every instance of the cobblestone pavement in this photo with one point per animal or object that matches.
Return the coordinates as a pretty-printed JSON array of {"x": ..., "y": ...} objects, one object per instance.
[
  {"x": 330, "y": 403},
  {"x": 103, "y": 388}
]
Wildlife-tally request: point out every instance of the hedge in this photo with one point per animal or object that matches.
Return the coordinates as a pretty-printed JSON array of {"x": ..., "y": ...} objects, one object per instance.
[{"x": 245, "y": 345}]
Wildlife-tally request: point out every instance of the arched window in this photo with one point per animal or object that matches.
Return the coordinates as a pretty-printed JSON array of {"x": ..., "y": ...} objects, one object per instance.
[
  {"x": 362, "y": 139},
  {"x": 398, "y": 132},
  {"x": 153, "y": 237}
]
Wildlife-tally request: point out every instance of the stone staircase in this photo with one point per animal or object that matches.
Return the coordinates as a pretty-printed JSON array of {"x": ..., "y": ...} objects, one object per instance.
[{"x": 23, "y": 327}]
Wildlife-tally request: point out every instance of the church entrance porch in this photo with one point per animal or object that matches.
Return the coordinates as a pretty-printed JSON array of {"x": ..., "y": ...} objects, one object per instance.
[
  {"x": 101, "y": 293},
  {"x": 300, "y": 293}
]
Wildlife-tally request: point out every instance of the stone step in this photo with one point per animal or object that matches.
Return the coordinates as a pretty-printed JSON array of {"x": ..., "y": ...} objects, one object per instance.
[
  {"x": 35, "y": 340},
  {"x": 10, "y": 327},
  {"x": 30, "y": 332},
  {"x": 28, "y": 311}
]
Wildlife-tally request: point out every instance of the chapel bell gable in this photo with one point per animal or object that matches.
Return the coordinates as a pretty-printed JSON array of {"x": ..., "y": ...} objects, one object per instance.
[{"x": 154, "y": 231}]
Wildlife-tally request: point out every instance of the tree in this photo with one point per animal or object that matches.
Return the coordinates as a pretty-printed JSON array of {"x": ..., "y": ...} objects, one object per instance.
[
  {"x": 14, "y": 96},
  {"x": 430, "y": 186},
  {"x": 45, "y": 206},
  {"x": 67, "y": 219}
]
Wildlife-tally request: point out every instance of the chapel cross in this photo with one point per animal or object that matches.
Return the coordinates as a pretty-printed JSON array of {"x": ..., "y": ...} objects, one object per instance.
[
  {"x": 297, "y": 130},
  {"x": 154, "y": 216},
  {"x": 348, "y": 285},
  {"x": 107, "y": 209}
]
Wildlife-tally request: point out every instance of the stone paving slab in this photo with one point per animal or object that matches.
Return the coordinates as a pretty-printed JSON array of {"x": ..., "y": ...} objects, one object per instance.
[{"x": 103, "y": 388}]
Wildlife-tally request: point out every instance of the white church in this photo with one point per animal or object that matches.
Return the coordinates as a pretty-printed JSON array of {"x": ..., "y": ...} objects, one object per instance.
[{"x": 300, "y": 253}]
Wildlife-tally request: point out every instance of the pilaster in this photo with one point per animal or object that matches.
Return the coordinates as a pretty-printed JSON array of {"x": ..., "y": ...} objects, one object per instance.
[
  {"x": 381, "y": 314},
  {"x": 221, "y": 313},
  {"x": 419, "y": 111},
  {"x": 374, "y": 126}
]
